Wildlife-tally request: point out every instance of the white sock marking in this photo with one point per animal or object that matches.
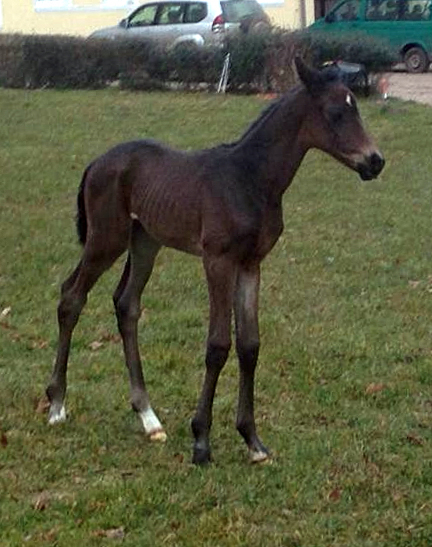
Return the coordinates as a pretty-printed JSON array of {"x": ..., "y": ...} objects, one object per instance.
[
  {"x": 56, "y": 414},
  {"x": 152, "y": 425},
  {"x": 258, "y": 456}
]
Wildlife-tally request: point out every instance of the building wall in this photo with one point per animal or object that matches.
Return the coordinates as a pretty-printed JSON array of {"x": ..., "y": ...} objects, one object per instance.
[
  {"x": 81, "y": 17},
  {"x": 292, "y": 14}
]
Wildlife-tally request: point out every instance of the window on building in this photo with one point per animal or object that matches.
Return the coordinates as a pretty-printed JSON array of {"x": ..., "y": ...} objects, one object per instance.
[
  {"x": 51, "y": 4},
  {"x": 119, "y": 3}
]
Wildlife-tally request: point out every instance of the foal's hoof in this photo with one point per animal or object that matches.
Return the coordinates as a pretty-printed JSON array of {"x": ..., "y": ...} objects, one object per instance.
[
  {"x": 259, "y": 456},
  {"x": 158, "y": 436},
  {"x": 201, "y": 456},
  {"x": 57, "y": 414}
]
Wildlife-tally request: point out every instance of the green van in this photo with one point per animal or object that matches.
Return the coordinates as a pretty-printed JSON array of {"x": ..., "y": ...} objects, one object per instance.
[{"x": 405, "y": 24}]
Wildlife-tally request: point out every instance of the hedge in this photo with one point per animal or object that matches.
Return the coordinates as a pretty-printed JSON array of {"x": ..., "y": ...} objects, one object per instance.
[{"x": 259, "y": 62}]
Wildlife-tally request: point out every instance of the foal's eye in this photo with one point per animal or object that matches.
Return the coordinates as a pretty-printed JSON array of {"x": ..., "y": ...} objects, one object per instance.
[{"x": 335, "y": 115}]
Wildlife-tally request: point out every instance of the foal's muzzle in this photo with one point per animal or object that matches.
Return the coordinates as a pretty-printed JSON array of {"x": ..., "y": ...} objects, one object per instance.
[{"x": 371, "y": 167}]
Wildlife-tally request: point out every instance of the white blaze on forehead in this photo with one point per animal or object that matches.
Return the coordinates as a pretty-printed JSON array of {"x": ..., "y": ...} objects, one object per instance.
[{"x": 349, "y": 99}]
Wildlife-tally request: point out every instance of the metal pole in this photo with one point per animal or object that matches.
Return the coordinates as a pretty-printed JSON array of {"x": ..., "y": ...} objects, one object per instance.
[{"x": 223, "y": 82}]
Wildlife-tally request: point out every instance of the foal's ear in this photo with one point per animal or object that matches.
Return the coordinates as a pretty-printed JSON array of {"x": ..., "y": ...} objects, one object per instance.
[{"x": 312, "y": 79}]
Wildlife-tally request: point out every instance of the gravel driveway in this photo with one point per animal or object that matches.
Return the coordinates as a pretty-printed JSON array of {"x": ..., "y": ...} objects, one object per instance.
[{"x": 410, "y": 87}]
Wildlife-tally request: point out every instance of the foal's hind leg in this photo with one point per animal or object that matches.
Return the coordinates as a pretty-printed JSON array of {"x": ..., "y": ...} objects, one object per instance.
[
  {"x": 142, "y": 254},
  {"x": 73, "y": 298},
  {"x": 56, "y": 389},
  {"x": 247, "y": 345}
]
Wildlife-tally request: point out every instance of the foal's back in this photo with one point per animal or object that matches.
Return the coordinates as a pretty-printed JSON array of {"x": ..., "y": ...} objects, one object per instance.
[{"x": 182, "y": 199}]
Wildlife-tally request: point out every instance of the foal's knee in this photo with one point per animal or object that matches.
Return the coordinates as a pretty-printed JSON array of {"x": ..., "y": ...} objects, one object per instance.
[
  {"x": 69, "y": 308},
  {"x": 127, "y": 314},
  {"x": 248, "y": 354},
  {"x": 217, "y": 354}
]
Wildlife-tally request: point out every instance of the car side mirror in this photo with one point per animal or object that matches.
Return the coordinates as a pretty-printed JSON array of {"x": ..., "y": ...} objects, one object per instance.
[
  {"x": 330, "y": 18},
  {"x": 123, "y": 23}
]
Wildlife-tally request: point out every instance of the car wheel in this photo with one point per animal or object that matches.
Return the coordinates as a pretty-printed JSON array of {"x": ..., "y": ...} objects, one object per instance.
[{"x": 416, "y": 60}]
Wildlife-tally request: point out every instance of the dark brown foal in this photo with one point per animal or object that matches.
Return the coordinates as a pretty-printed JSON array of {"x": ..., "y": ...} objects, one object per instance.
[{"x": 223, "y": 204}]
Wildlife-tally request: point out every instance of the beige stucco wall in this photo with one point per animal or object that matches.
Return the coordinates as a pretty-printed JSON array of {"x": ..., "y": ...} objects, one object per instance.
[
  {"x": 290, "y": 13},
  {"x": 81, "y": 18},
  {"x": 84, "y": 16}
]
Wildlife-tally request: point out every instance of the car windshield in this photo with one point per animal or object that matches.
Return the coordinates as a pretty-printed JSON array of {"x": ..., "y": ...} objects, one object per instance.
[{"x": 236, "y": 10}]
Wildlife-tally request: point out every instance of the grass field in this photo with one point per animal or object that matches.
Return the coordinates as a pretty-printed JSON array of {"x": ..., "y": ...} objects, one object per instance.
[{"x": 344, "y": 386}]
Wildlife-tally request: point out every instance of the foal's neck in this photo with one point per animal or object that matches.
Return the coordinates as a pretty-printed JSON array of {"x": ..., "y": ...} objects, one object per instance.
[{"x": 271, "y": 146}]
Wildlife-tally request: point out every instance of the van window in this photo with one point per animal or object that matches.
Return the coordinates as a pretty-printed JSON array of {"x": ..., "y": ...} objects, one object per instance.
[
  {"x": 398, "y": 10},
  {"x": 382, "y": 10},
  {"x": 416, "y": 10},
  {"x": 348, "y": 11}
]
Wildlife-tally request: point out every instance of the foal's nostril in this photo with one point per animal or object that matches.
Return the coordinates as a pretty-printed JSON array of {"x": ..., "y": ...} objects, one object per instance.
[
  {"x": 371, "y": 166},
  {"x": 377, "y": 163}
]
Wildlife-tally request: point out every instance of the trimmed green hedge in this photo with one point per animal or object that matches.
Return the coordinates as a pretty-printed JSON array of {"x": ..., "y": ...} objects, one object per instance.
[
  {"x": 259, "y": 62},
  {"x": 374, "y": 54}
]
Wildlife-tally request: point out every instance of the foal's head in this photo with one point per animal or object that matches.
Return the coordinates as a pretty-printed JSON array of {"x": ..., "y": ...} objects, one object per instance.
[{"x": 333, "y": 122}]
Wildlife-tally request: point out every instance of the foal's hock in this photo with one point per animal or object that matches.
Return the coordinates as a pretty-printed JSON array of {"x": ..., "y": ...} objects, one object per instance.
[{"x": 223, "y": 204}]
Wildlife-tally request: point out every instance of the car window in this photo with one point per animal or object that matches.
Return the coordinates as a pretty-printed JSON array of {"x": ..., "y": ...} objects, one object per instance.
[
  {"x": 348, "y": 11},
  {"x": 170, "y": 14},
  {"x": 236, "y": 10},
  {"x": 144, "y": 16},
  {"x": 195, "y": 12}
]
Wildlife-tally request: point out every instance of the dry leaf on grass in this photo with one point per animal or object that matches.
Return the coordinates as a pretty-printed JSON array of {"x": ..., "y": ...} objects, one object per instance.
[
  {"x": 5, "y": 312},
  {"x": 3, "y": 440},
  {"x": 415, "y": 439},
  {"x": 42, "y": 405},
  {"x": 374, "y": 388},
  {"x": 94, "y": 346},
  {"x": 112, "y": 533},
  {"x": 39, "y": 344},
  {"x": 110, "y": 337},
  {"x": 335, "y": 494},
  {"x": 41, "y": 502},
  {"x": 179, "y": 458}
]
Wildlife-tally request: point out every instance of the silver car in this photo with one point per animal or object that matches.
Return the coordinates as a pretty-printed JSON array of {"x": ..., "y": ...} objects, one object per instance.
[{"x": 189, "y": 21}]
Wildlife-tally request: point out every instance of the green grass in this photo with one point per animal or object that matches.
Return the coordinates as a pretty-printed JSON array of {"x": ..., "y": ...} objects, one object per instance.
[{"x": 344, "y": 397}]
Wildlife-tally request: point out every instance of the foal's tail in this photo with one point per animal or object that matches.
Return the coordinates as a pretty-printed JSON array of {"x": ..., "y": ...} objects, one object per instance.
[{"x": 81, "y": 218}]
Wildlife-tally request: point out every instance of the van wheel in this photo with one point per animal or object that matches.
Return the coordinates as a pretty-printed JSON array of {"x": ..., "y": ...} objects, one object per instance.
[{"x": 416, "y": 60}]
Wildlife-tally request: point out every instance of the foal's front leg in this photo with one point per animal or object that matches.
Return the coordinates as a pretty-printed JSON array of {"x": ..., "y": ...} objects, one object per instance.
[
  {"x": 221, "y": 279},
  {"x": 247, "y": 346}
]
